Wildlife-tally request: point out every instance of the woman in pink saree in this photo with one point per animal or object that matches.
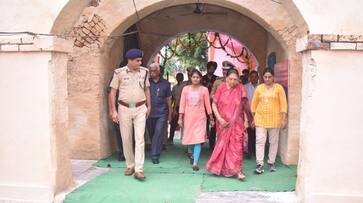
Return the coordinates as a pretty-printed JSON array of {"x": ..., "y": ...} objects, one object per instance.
[{"x": 229, "y": 103}]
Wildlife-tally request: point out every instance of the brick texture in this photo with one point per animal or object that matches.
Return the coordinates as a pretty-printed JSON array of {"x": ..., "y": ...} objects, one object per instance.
[{"x": 89, "y": 31}]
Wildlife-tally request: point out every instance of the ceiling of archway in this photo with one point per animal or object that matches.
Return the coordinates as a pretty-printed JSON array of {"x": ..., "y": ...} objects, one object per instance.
[{"x": 160, "y": 26}]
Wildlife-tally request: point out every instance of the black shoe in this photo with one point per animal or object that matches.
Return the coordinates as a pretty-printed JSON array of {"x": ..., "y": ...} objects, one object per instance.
[
  {"x": 272, "y": 167},
  {"x": 259, "y": 169},
  {"x": 155, "y": 161},
  {"x": 121, "y": 158}
]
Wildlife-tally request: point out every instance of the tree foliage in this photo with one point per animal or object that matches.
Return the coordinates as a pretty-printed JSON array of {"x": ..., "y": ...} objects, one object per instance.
[{"x": 189, "y": 51}]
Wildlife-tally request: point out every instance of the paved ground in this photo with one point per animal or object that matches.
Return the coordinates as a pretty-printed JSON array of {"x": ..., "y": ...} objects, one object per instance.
[
  {"x": 250, "y": 197},
  {"x": 82, "y": 171}
]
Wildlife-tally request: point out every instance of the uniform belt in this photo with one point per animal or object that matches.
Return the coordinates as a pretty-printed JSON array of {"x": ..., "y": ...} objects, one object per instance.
[{"x": 131, "y": 105}]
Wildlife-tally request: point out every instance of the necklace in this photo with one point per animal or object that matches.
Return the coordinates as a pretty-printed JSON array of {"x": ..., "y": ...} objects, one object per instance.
[{"x": 267, "y": 94}]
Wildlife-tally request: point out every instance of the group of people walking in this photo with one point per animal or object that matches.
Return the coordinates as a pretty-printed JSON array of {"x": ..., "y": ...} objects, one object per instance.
[{"x": 221, "y": 109}]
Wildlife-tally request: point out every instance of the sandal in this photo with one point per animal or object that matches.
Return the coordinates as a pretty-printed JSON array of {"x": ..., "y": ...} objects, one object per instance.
[
  {"x": 240, "y": 176},
  {"x": 195, "y": 168}
]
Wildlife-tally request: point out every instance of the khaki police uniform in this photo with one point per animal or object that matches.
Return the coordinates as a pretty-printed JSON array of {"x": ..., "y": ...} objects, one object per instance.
[{"x": 131, "y": 86}]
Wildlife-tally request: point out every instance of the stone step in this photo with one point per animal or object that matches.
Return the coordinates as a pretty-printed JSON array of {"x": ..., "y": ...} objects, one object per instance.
[{"x": 247, "y": 197}]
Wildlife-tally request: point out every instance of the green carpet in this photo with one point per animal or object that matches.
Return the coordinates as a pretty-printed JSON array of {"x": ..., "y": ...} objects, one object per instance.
[
  {"x": 114, "y": 187},
  {"x": 173, "y": 180}
]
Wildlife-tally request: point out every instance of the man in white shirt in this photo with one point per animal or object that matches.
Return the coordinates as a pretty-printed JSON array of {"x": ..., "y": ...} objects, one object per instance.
[
  {"x": 250, "y": 89},
  {"x": 251, "y": 85}
]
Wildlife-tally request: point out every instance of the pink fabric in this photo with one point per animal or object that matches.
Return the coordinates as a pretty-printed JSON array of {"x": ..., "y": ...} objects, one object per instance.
[
  {"x": 233, "y": 47},
  {"x": 227, "y": 155},
  {"x": 193, "y": 104}
]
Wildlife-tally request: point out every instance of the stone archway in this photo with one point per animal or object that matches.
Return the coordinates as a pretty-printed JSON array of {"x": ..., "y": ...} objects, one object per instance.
[
  {"x": 97, "y": 59},
  {"x": 36, "y": 50}
]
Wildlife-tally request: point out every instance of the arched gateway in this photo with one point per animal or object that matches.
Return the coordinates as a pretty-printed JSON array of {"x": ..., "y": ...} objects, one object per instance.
[
  {"x": 66, "y": 110},
  {"x": 263, "y": 26}
]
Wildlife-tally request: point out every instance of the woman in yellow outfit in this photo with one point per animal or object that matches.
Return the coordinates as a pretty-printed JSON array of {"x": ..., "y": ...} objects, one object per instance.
[{"x": 269, "y": 107}]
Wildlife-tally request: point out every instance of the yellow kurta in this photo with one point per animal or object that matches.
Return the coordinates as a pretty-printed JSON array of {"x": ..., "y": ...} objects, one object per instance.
[{"x": 268, "y": 106}]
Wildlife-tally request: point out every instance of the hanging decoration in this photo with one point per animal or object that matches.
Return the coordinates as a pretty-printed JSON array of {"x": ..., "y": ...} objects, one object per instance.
[{"x": 194, "y": 42}]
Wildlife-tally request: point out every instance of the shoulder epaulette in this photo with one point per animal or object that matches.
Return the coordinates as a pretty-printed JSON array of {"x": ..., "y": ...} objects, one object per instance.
[
  {"x": 145, "y": 69},
  {"x": 119, "y": 70}
]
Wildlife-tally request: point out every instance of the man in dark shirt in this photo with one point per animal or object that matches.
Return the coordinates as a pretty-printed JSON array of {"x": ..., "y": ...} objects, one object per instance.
[
  {"x": 244, "y": 77},
  {"x": 160, "y": 110},
  {"x": 208, "y": 80},
  {"x": 165, "y": 134},
  {"x": 176, "y": 93}
]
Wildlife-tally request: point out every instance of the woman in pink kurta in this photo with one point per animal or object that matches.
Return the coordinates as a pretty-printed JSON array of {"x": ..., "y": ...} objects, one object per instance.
[
  {"x": 229, "y": 105},
  {"x": 194, "y": 103}
]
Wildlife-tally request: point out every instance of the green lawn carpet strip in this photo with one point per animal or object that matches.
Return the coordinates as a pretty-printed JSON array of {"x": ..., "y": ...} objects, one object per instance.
[{"x": 173, "y": 180}]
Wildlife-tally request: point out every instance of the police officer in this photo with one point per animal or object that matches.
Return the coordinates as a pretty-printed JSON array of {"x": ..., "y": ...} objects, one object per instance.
[
  {"x": 226, "y": 65},
  {"x": 132, "y": 81}
]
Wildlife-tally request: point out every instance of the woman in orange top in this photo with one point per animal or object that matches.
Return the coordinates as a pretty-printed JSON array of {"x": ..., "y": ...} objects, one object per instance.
[{"x": 269, "y": 107}]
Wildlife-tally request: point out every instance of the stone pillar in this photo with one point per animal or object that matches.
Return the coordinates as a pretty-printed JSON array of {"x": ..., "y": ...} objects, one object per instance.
[
  {"x": 34, "y": 161},
  {"x": 289, "y": 137},
  {"x": 90, "y": 68},
  {"x": 331, "y": 127},
  {"x": 91, "y": 132}
]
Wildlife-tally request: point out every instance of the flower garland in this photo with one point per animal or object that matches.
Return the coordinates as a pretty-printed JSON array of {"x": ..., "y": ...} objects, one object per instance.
[{"x": 193, "y": 43}]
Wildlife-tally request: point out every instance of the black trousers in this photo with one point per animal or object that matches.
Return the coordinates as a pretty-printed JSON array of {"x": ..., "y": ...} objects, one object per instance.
[
  {"x": 251, "y": 141},
  {"x": 156, "y": 128},
  {"x": 212, "y": 134},
  {"x": 173, "y": 125}
]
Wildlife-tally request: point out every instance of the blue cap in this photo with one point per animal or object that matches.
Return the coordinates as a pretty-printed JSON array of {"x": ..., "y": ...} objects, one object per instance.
[{"x": 134, "y": 53}]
